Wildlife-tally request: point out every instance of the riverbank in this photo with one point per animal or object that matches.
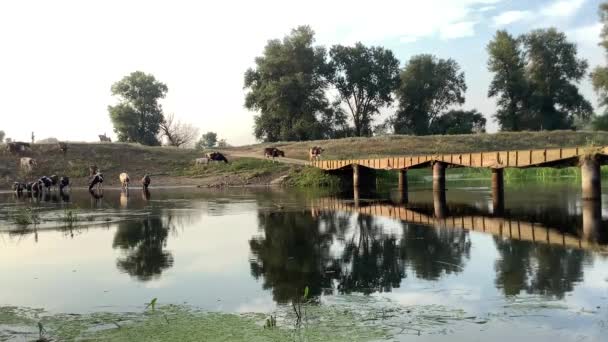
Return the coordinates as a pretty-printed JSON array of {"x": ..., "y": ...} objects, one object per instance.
[{"x": 170, "y": 166}]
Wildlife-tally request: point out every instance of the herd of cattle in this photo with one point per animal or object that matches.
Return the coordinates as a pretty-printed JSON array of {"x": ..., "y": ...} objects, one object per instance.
[{"x": 96, "y": 178}]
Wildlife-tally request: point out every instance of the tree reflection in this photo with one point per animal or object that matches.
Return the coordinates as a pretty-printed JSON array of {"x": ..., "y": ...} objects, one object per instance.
[
  {"x": 143, "y": 243},
  {"x": 292, "y": 254},
  {"x": 371, "y": 261},
  {"x": 329, "y": 251},
  {"x": 432, "y": 252},
  {"x": 542, "y": 269}
]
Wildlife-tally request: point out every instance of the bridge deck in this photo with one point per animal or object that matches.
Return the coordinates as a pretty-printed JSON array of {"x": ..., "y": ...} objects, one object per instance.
[{"x": 557, "y": 157}]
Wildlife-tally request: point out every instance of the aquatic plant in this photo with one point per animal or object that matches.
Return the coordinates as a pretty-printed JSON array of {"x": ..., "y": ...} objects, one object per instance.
[
  {"x": 69, "y": 217},
  {"x": 26, "y": 217}
]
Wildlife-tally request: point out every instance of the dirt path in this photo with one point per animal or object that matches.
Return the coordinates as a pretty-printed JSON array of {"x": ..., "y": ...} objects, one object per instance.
[{"x": 258, "y": 156}]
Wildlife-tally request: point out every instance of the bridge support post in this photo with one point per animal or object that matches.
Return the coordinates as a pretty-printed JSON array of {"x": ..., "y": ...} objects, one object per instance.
[
  {"x": 439, "y": 176},
  {"x": 591, "y": 181},
  {"x": 498, "y": 191},
  {"x": 440, "y": 204},
  {"x": 402, "y": 187},
  {"x": 363, "y": 177},
  {"x": 592, "y": 220},
  {"x": 356, "y": 174}
]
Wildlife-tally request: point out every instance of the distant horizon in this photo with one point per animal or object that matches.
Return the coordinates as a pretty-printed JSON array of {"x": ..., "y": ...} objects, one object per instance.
[{"x": 62, "y": 57}]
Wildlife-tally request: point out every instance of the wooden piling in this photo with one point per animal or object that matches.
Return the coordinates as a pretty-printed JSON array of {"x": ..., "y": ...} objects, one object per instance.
[{"x": 590, "y": 178}]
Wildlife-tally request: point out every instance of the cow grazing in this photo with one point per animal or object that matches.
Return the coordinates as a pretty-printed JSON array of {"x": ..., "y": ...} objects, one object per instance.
[
  {"x": 97, "y": 180},
  {"x": 273, "y": 152},
  {"x": 145, "y": 182},
  {"x": 19, "y": 187},
  {"x": 216, "y": 156},
  {"x": 124, "y": 180},
  {"x": 315, "y": 153},
  {"x": 201, "y": 161},
  {"x": 63, "y": 183},
  {"x": 28, "y": 164},
  {"x": 93, "y": 170},
  {"x": 63, "y": 147}
]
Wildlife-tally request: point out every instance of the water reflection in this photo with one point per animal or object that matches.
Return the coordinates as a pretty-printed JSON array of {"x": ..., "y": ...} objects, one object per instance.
[{"x": 143, "y": 243}]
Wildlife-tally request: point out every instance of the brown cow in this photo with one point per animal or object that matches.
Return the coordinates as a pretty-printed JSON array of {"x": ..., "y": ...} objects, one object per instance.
[
  {"x": 273, "y": 152},
  {"x": 315, "y": 153}
]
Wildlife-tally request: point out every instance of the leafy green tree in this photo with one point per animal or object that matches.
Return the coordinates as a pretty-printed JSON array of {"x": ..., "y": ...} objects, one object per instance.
[
  {"x": 459, "y": 122},
  {"x": 222, "y": 143},
  {"x": 365, "y": 78},
  {"x": 553, "y": 69},
  {"x": 2, "y": 135},
  {"x": 287, "y": 88},
  {"x": 209, "y": 139},
  {"x": 428, "y": 86},
  {"x": 506, "y": 62},
  {"x": 138, "y": 115},
  {"x": 599, "y": 76}
]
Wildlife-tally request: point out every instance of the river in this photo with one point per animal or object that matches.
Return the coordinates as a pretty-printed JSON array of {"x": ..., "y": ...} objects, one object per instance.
[{"x": 536, "y": 270}]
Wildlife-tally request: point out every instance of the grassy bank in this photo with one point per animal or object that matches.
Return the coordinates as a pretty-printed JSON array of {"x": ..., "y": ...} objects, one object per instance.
[{"x": 413, "y": 145}]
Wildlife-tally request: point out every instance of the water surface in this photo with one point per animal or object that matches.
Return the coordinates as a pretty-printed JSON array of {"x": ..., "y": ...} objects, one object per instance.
[{"x": 536, "y": 269}]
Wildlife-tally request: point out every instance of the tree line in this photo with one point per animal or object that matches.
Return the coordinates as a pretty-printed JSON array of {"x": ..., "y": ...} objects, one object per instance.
[{"x": 302, "y": 91}]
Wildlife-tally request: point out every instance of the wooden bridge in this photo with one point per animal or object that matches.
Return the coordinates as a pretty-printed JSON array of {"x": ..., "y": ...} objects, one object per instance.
[
  {"x": 511, "y": 228},
  {"x": 588, "y": 158}
]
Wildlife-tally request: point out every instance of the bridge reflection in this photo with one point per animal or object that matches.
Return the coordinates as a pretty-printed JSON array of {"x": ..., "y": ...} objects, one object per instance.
[{"x": 588, "y": 234}]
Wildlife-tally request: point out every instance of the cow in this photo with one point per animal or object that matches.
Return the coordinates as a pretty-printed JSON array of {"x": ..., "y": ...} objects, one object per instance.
[
  {"x": 35, "y": 187},
  {"x": 145, "y": 182},
  {"x": 19, "y": 187},
  {"x": 17, "y": 147},
  {"x": 201, "y": 161},
  {"x": 124, "y": 180},
  {"x": 63, "y": 182},
  {"x": 104, "y": 138},
  {"x": 97, "y": 180},
  {"x": 273, "y": 152},
  {"x": 47, "y": 182},
  {"x": 63, "y": 147},
  {"x": 216, "y": 156},
  {"x": 315, "y": 153},
  {"x": 54, "y": 180},
  {"x": 93, "y": 170},
  {"x": 27, "y": 164}
]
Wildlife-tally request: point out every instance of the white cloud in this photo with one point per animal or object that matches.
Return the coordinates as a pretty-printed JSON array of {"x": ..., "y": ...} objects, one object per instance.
[
  {"x": 510, "y": 17},
  {"x": 458, "y": 30},
  {"x": 562, "y": 8}
]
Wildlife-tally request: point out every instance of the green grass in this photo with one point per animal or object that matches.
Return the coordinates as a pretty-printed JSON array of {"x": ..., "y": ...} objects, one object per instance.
[
  {"x": 248, "y": 167},
  {"x": 310, "y": 177},
  {"x": 510, "y": 174}
]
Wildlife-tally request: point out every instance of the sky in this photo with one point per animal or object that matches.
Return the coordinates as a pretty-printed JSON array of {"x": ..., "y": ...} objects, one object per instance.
[{"x": 58, "y": 59}]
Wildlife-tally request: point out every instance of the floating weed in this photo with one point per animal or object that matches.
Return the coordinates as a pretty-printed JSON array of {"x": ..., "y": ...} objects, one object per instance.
[
  {"x": 26, "y": 217},
  {"x": 69, "y": 217}
]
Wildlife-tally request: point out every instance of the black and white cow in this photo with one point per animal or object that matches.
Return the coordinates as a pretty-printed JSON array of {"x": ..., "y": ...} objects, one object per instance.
[
  {"x": 97, "y": 180},
  {"x": 63, "y": 183},
  {"x": 46, "y": 182}
]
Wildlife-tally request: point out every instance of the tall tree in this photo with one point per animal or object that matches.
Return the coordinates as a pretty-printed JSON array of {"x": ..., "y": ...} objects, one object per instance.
[
  {"x": 365, "y": 78},
  {"x": 2, "y": 135},
  {"x": 506, "y": 62},
  {"x": 599, "y": 76},
  {"x": 459, "y": 122},
  {"x": 287, "y": 88},
  {"x": 428, "y": 86},
  {"x": 138, "y": 115},
  {"x": 553, "y": 69}
]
